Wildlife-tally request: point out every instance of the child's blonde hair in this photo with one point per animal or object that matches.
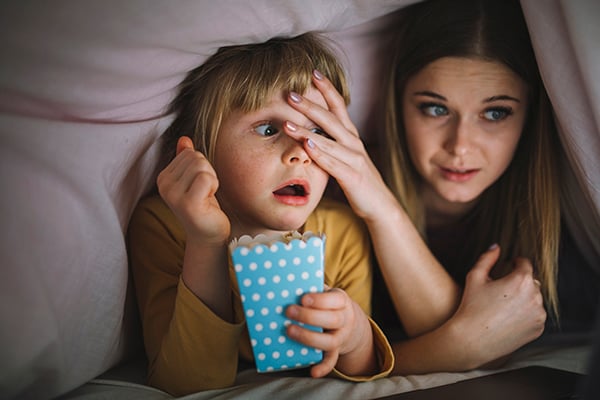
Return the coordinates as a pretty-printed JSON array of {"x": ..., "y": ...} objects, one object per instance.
[{"x": 244, "y": 78}]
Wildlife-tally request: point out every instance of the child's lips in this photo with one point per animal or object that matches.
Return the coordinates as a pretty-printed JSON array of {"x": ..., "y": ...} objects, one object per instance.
[{"x": 294, "y": 192}]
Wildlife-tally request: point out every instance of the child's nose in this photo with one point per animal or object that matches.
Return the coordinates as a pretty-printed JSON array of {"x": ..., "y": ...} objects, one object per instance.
[{"x": 295, "y": 153}]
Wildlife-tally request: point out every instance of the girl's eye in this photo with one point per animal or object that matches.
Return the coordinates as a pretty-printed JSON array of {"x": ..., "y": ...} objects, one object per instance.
[
  {"x": 266, "y": 130},
  {"x": 320, "y": 131},
  {"x": 497, "y": 114},
  {"x": 433, "y": 110}
]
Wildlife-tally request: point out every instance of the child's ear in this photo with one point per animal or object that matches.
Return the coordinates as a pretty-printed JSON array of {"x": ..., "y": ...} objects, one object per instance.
[{"x": 184, "y": 142}]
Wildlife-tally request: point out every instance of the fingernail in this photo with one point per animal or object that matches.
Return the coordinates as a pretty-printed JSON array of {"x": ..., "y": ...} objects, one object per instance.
[
  {"x": 292, "y": 330},
  {"x": 492, "y": 247},
  {"x": 291, "y": 126},
  {"x": 307, "y": 301},
  {"x": 296, "y": 98},
  {"x": 310, "y": 143},
  {"x": 292, "y": 312},
  {"x": 318, "y": 75}
]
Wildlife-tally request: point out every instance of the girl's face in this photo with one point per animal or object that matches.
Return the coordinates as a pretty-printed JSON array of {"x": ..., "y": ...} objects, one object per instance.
[
  {"x": 267, "y": 182},
  {"x": 463, "y": 120}
]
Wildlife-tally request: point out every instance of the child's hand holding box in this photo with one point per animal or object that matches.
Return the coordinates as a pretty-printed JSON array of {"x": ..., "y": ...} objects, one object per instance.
[{"x": 272, "y": 273}]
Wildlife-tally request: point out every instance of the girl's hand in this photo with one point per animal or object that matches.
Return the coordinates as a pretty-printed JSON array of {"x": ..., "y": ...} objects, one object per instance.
[
  {"x": 188, "y": 186},
  {"x": 343, "y": 155},
  {"x": 500, "y": 315},
  {"x": 347, "y": 339}
]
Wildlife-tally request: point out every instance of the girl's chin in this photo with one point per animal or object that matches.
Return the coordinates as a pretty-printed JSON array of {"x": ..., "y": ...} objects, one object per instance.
[
  {"x": 459, "y": 205},
  {"x": 458, "y": 197}
]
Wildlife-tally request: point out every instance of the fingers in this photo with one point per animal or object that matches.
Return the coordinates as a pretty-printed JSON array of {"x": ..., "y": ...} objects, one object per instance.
[
  {"x": 334, "y": 100},
  {"x": 183, "y": 143},
  {"x": 523, "y": 275},
  {"x": 523, "y": 265},
  {"x": 320, "y": 309},
  {"x": 330, "y": 310},
  {"x": 485, "y": 263},
  {"x": 187, "y": 171},
  {"x": 335, "y": 120},
  {"x": 345, "y": 328},
  {"x": 188, "y": 185},
  {"x": 342, "y": 161},
  {"x": 327, "y": 365},
  {"x": 328, "y": 341}
]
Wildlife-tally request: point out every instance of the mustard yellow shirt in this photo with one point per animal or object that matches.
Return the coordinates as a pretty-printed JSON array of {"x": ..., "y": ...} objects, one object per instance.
[{"x": 189, "y": 348}]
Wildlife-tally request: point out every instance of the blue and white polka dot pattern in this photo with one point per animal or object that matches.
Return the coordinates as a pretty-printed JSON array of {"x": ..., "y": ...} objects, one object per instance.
[{"x": 270, "y": 278}]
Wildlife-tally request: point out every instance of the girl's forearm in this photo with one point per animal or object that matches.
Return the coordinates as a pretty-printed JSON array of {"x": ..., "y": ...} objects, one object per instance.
[
  {"x": 443, "y": 349},
  {"x": 423, "y": 293}
]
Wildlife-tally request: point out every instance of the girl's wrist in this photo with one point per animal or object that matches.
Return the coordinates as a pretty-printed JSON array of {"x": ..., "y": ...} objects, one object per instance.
[
  {"x": 387, "y": 213},
  {"x": 459, "y": 336}
]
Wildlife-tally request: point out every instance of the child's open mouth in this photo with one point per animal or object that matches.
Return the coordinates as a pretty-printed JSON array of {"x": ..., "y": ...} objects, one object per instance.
[
  {"x": 293, "y": 193},
  {"x": 291, "y": 190}
]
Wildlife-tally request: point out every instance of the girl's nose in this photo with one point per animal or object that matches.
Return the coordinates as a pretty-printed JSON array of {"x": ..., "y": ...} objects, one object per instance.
[{"x": 458, "y": 142}]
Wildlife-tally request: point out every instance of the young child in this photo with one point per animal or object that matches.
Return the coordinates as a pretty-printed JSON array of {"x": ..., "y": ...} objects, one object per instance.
[{"x": 246, "y": 177}]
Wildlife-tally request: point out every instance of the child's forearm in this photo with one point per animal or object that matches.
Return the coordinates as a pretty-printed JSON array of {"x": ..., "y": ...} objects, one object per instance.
[
  {"x": 198, "y": 350},
  {"x": 206, "y": 274}
]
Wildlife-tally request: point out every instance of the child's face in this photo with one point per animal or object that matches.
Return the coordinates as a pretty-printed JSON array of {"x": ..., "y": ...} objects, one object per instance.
[
  {"x": 463, "y": 120},
  {"x": 267, "y": 182}
]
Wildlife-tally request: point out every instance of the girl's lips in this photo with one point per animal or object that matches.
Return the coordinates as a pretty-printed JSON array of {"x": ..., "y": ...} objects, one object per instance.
[
  {"x": 294, "y": 193},
  {"x": 458, "y": 174}
]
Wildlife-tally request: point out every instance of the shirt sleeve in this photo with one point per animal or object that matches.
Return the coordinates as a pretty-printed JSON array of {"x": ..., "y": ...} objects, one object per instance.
[
  {"x": 385, "y": 358},
  {"x": 182, "y": 336}
]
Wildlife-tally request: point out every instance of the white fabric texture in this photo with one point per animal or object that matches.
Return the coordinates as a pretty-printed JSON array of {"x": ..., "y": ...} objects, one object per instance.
[
  {"x": 83, "y": 89},
  {"x": 564, "y": 35}
]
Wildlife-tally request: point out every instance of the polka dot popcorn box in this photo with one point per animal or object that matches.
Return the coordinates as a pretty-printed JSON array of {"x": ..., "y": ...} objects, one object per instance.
[{"x": 272, "y": 273}]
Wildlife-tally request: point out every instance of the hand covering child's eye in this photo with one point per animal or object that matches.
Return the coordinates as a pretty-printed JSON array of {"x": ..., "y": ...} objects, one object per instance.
[{"x": 321, "y": 132}]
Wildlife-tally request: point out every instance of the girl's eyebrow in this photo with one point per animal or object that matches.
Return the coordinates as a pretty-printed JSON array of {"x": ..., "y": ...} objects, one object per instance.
[
  {"x": 430, "y": 94},
  {"x": 488, "y": 100},
  {"x": 501, "y": 97}
]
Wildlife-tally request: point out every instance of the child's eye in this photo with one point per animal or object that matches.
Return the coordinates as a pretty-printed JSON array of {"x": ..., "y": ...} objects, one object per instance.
[
  {"x": 266, "y": 130},
  {"x": 433, "y": 110},
  {"x": 321, "y": 132},
  {"x": 497, "y": 114}
]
